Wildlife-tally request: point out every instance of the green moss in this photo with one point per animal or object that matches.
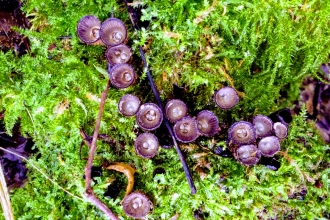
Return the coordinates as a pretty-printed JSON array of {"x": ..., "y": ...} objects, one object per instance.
[{"x": 263, "y": 48}]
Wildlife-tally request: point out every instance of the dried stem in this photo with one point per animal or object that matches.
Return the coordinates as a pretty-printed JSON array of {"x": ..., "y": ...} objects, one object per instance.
[
  {"x": 4, "y": 197},
  {"x": 89, "y": 194},
  {"x": 159, "y": 102}
]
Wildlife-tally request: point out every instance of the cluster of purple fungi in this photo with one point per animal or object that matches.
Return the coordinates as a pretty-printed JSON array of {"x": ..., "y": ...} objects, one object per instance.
[
  {"x": 247, "y": 141},
  {"x": 113, "y": 34}
]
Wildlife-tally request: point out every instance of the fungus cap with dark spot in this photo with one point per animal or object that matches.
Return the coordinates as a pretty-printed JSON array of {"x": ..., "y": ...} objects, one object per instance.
[
  {"x": 248, "y": 155},
  {"x": 118, "y": 54},
  {"x": 207, "y": 123},
  {"x": 136, "y": 205},
  {"x": 226, "y": 97},
  {"x": 122, "y": 75},
  {"x": 88, "y": 29},
  {"x": 113, "y": 32},
  {"x": 128, "y": 105},
  {"x": 269, "y": 146},
  {"x": 149, "y": 117},
  {"x": 280, "y": 130},
  {"x": 263, "y": 125},
  {"x": 146, "y": 145},
  {"x": 185, "y": 130},
  {"x": 242, "y": 132},
  {"x": 175, "y": 109}
]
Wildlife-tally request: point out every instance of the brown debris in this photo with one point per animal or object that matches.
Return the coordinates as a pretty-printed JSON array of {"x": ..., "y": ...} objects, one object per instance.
[
  {"x": 12, "y": 16},
  {"x": 316, "y": 95}
]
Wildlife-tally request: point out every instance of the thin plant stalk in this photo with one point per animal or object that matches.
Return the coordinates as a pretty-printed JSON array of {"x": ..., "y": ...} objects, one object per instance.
[
  {"x": 4, "y": 197},
  {"x": 89, "y": 194}
]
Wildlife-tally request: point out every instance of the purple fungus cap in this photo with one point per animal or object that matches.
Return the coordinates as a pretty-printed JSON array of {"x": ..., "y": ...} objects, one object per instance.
[
  {"x": 175, "y": 109},
  {"x": 269, "y": 146},
  {"x": 280, "y": 130},
  {"x": 185, "y": 130},
  {"x": 248, "y": 155},
  {"x": 122, "y": 75},
  {"x": 226, "y": 97},
  {"x": 118, "y": 54},
  {"x": 263, "y": 125},
  {"x": 129, "y": 104},
  {"x": 149, "y": 117},
  {"x": 113, "y": 32},
  {"x": 207, "y": 123},
  {"x": 242, "y": 133},
  {"x": 88, "y": 29},
  {"x": 136, "y": 205},
  {"x": 146, "y": 145}
]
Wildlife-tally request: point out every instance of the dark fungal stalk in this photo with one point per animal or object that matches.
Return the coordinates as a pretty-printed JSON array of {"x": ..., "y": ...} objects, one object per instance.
[{"x": 134, "y": 22}]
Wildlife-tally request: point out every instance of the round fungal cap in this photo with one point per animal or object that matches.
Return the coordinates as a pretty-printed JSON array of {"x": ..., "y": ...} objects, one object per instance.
[
  {"x": 263, "y": 125},
  {"x": 185, "y": 130},
  {"x": 136, "y": 205},
  {"x": 146, "y": 145},
  {"x": 113, "y": 32},
  {"x": 128, "y": 105},
  {"x": 149, "y": 117},
  {"x": 88, "y": 29},
  {"x": 175, "y": 109},
  {"x": 226, "y": 97},
  {"x": 280, "y": 130},
  {"x": 242, "y": 132},
  {"x": 207, "y": 123},
  {"x": 269, "y": 146},
  {"x": 248, "y": 155},
  {"x": 122, "y": 75},
  {"x": 118, "y": 54}
]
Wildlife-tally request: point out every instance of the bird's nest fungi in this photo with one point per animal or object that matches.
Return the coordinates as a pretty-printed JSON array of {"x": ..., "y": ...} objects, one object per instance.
[{"x": 248, "y": 141}]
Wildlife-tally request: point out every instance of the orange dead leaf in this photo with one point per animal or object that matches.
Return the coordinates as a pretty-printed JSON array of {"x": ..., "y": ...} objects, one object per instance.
[{"x": 128, "y": 171}]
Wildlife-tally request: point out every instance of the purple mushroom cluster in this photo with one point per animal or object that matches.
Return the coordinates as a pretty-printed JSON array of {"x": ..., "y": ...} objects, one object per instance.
[
  {"x": 249, "y": 141},
  {"x": 149, "y": 117},
  {"x": 113, "y": 34}
]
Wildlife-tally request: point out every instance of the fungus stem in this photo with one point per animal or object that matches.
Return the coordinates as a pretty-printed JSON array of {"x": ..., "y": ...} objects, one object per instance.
[{"x": 159, "y": 102}]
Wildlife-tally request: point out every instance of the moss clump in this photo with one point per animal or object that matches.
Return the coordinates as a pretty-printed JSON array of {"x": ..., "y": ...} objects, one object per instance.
[{"x": 262, "y": 48}]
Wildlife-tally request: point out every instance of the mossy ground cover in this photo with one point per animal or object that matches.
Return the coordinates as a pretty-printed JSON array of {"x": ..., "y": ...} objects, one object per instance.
[{"x": 262, "y": 48}]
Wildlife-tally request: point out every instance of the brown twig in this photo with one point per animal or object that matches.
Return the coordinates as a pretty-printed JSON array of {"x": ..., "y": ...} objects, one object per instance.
[{"x": 89, "y": 194}]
